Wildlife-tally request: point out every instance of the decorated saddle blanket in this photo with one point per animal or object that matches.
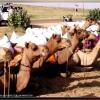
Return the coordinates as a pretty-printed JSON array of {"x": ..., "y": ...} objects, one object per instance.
[
  {"x": 52, "y": 59},
  {"x": 91, "y": 43},
  {"x": 16, "y": 60}
]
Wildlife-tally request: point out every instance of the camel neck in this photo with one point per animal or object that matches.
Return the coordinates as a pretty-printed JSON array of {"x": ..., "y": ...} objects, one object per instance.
[
  {"x": 98, "y": 45},
  {"x": 25, "y": 62},
  {"x": 74, "y": 42}
]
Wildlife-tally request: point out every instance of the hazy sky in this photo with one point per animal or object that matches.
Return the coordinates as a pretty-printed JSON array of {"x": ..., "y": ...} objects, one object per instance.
[{"x": 49, "y": 0}]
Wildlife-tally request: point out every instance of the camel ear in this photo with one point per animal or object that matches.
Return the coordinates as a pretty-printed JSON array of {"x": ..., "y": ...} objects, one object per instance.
[
  {"x": 58, "y": 38},
  {"x": 75, "y": 30},
  {"x": 54, "y": 35},
  {"x": 26, "y": 45}
]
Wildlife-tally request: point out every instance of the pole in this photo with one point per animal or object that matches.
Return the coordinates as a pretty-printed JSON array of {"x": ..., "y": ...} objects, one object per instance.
[
  {"x": 4, "y": 79},
  {"x": 83, "y": 8}
]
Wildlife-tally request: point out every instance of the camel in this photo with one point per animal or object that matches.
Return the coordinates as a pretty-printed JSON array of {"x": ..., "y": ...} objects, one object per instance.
[
  {"x": 62, "y": 55},
  {"x": 86, "y": 24},
  {"x": 8, "y": 60},
  {"x": 30, "y": 54},
  {"x": 53, "y": 45},
  {"x": 80, "y": 58}
]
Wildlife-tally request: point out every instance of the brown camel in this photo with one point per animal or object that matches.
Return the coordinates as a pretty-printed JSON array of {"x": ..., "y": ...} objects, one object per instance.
[
  {"x": 63, "y": 54},
  {"x": 30, "y": 54},
  {"x": 53, "y": 45}
]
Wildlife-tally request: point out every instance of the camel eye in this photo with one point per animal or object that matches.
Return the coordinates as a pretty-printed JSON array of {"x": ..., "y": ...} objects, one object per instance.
[
  {"x": 35, "y": 48},
  {"x": 59, "y": 40}
]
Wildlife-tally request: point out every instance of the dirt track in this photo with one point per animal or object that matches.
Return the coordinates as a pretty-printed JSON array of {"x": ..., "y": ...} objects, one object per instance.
[{"x": 45, "y": 22}]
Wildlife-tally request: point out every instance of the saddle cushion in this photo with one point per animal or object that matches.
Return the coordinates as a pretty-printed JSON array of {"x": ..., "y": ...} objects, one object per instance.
[
  {"x": 52, "y": 59},
  {"x": 16, "y": 59}
]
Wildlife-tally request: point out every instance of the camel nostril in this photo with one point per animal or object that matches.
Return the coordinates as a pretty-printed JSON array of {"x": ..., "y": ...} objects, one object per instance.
[{"x": 43, "y": 54}]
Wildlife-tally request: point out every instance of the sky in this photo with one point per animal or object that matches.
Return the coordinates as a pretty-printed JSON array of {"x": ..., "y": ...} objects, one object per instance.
[{"x": 49, "y": 0}]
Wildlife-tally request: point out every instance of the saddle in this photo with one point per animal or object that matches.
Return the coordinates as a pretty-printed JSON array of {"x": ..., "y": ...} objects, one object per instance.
[
  {"x": 52, "y": 59},
  {"x": 15, "y": 61}
]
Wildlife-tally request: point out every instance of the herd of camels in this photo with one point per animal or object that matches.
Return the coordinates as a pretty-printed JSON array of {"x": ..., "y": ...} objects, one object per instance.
[{"x": 17, "y": 63}]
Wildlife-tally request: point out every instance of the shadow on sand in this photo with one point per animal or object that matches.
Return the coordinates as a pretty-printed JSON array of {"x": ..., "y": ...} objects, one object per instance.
[{"x": 46, "y": 80}]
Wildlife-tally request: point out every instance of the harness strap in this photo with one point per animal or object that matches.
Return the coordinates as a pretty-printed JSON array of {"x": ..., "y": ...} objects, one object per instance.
[
  {"x": 57, "y": 56},
  {"x": 25, "y": 65},
  {"x": 4, "y": 79},
  {"x": 24, "y": 70},
  {"x": 9, "y": 80}
]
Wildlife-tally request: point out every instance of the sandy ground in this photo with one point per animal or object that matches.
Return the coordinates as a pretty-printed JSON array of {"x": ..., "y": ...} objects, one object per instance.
[
  {"x": 85, "y": 84},
  {"x": 46, "y": 22},
  {"x": 79, "y": 86}
]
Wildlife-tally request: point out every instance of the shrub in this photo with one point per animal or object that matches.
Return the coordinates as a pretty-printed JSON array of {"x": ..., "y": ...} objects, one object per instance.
[
  {"x": 19, "y": 18},
  {"x": 94, "y": 14}
]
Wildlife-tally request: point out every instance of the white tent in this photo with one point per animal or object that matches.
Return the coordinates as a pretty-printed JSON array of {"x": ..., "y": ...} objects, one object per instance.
[
  {"x": 66, "y": 36},
  {"x": 35, "y": 35},
  {"x": 93, "y": 29},
  {"x": 14, "y": 37},
  {"x": 5, "y": 42},
  {"x": 21, "y": 41}
]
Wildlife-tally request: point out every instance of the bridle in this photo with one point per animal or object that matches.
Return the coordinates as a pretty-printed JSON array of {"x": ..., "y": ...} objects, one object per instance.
[
  {"x": 24, "y": 65},
  {"x": 30, "y": 66}
]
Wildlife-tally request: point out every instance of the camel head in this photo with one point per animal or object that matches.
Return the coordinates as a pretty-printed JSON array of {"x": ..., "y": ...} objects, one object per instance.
[
  {"x": 33, "y": 51},
  {"x": 87, "y": 23},
  {"x": 53, "y": 43},
  {"x": 81, "y": 34},
  {"x": 65, "y": 29}
]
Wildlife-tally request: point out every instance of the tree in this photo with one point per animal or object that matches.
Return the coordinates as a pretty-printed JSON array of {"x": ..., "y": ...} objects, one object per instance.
[
  {"x": 19, "y": 18},
  {"x": 94, "y": 14}
]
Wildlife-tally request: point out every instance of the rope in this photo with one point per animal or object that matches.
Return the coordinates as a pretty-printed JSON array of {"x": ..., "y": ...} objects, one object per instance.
[
  {"x": 4, "y": 78},
  {"x": 66, "y": 72},
  {"x": 86, "y": 65},
  {"x": 66, "y": 68},
  {"x": 84, "y": 60},
  {"x": 8, "y": 80}
]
